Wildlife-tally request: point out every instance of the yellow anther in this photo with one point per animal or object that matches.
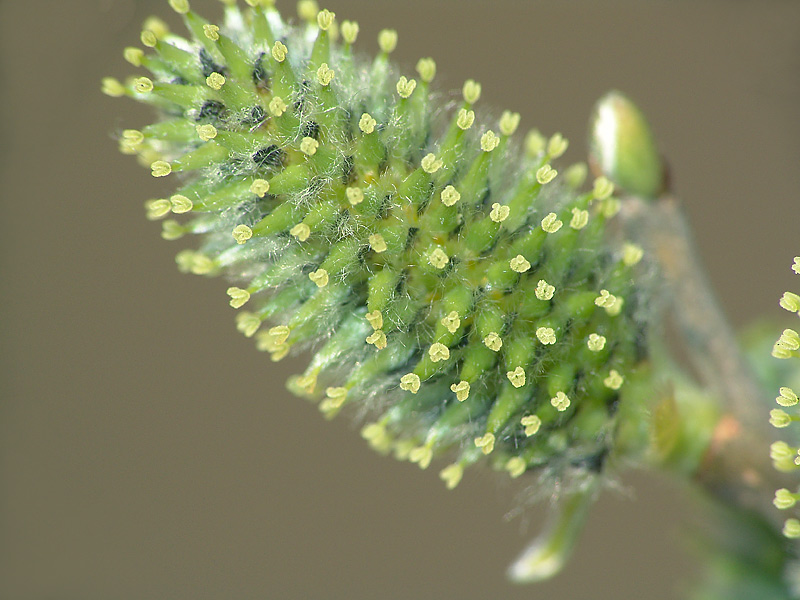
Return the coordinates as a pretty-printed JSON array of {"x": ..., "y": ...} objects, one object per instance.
[
  {"x": 319, "y": 277},
  {"x": 610, "y": 207},
  {"x": 471, "y": 91},
  {"x": 614, "y": 380},
  {"x": 546, "y": 335},
  {"x": 239, "y": 297},
  {"x": 615, "y": 308},
  {"x": 112, "y": 87},
  {"x": 349, "y": 32},
  {"x": 791, "y": 528},
  {"x": 515, "y": 466},
  {"x": 557, "y": 145},
  {"x": 277, "y": 106},
  {"x": 546, "y": 174},
  {"x": 451, "y": 322},
  {"x": 355, "y": 195},
  {"x": 157, "y": 209},
  {"x": 438, "y": 258},
  {"x": 430, "y": 164},
  {"x": 301, "y": 231},
  {"x": 493, "y": 341},
  {"x": 575, "y": 175},
  {"x": 180, "y": 204},
  {"x": 377, "y": 243},
  {"x": 279, "y": 334},
  {"x": 325, "y": 19},
  {"x": 157, "y": 26},
  {"x": 465, "y": 118},
  {"x": 406, "y": 87},
  {"x": 378, "y": 339},
  {"x": 387, "y": 40},
  {"x": 450, "y": 196},
  {"x": 560, "y": 401},
  {"x": 143, "y": 85},
  {"x": 184, "y": 260},
  {"x": 172, "y": 230},
  {"x": 516, "y": 377},
  {"x": 259, "y": 187},
  {"x": 426, "y": 67},
  {"x": 373, "y": 431},
  {"x": 596, "y": 342},
  {"x": 509, "y": 122},
  {"x": 133, "y": 55},
  {"x": 605, "y": 299},
  {"x": 519, "y": 264},
  {"x": 602, "y": 189},
  {"x": 780, "y": 451},
  {"x": 544, "y": 291},
  {"x": 215, "y": 81},
  {"x": 279, "y": 51},
  {"x": 375, "y": 319},
  {"x": 499, "y": 212},
  {"x": 366, "y": 123},
  {"x": 148, "y": 38},
  {"x": 410, "y": 382},
  {"x": 247, "y": 323},
  {"x": 307, "y": 10},
  {"x": 631, "y": 254},
  {"x": 787, "y": 397},
  {"x": 206, "y": 132},
  {"x": 779, "y": 418},
  {"x": 790, "y": 302},
  {"x": 534, "y": 143},
  {"x": 403, "y": 448},
  {"x": 461, "y": 390},
  {"x": 421, "y": 455},
  {"x": 201, "y": 264},
  {"x": 485, "y": 443},
  {"x": 489, "y": 141},
  {"x": 787, "y": 344},
  {"x": 796, "y": 265},
  {"x": 579, "y": 218},
  {"x": 211, "y": 31},
  {"x": 784, "y": 499},
  {"x": 242, "y": 233},
  {"x": 325, "y": 74},
  {"x": 438, "y": 352},
  {"x": 308, "y": 146},
  {"x": 551, "y": 223},
  {"x": 337, "y": 394},
  {"x": 160, "y": 168},
  {"x": 531, "y": 423},
  {"x": 451, "y": 475},
  {"x": 179, "y": 6}
]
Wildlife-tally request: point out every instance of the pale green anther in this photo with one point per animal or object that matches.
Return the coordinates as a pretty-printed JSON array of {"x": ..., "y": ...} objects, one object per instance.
[
  {"x": 784, "y": 499},
  {"x": 157, "y": 209},
  {"x": 614, "y": 380},
  {"x": 489, "y": 141},
  {"x": 616, "y": 307},
  {"x": 606, "y": 299},
  {"x": 499, "y": 212},
  {"x": 366, "y": 123},
  {"x": 438, "y": 352},
  {"x": 375, "y": 319},
  {"x": 279, "y": 51},
  {"x": 438, "y": 258},
  {"x": 631, "y": 254},
  {"x": 421, "y": 455},
  {"x": 377, "y": 243},
  {"x": 349, "y": 31},
  {"x": 319, "y": 277},
  {"x": 519, "y": 264},
  {"x": 172, "y": 230},
  {"x": 132, "y": 137},
  {"x": 279, "y": 334},
  {"x": 551, "y": 223},
  {"x": 160, "y": 168},
  {"x": 430, "y": 164},
  {"x": 451, "y": 475},
  {"x": 516, "y": 377},
  {"x": 531, "y": 423},
  {"x": 133, "y": 55},
  {"x": 509, "y": 122},
  {"x": 471, "y": 91},
  {"x": 354, "y": 195},
  {"x": 406, "y": 87},
  {"x": 451, "y": 322},
  {"x": 277, "y": 106},
  {"x": 426, "y": 67},
  {"x": 461, "y": 390},
  {"x": 325, "y": 19},
  {"x": 247, "y": 323},
  {"x": 157, "y": 26},
  {"x": 307, "y": 10},
  {"x": 544, "y": 291},
  {"x": 560, "y": 401},
  {"x": 180, "y": 204},
  {"x": 779, "y": 418},
  {"x": 796, "y": 265},
  {"x": 596, "y": 342},
  {"x": 179, "y": 6},
  {"x": 184, "y": 260},
  {"x": 143, "y": 85},
  {"x": 780, "y": 451},
  {"x": 546, "y": 335},
  {"x": 309, "y": 146},
  {"x": 790, "y": 302},
  {"x": 239, "y": 297},
  {"x": 791, "y": 528},
  {"x": 515, "y": 466},
  {"x": 610, "y": 207},
  {"x": 241, "y": 233},
  {"x": 575, "y": 175},
  {"x": 579, "y": 218},
  {"x": 557, "y": 145},
  {"x": 485, "y": 443},
  {"x": 206, "y": 132},
  {"x": 148, "y": 38},
  {"x": 622, "y": 146},
  {"x": 546, "y": 174},
  {"x": 301, "y": 232},
  {"x": 602, "y": 189},
  {"x": 465, "y": 118},
  {"x": 790, "y": 339},
  {"x": 112, "y": 87},
  {"x": 534, "y": 143},
  {"x": 493, "y": 341},
  {"x": 787, "y": 397},
  {"x": 387, "y": 40},
  {"x": 325, "y": 74},
  {"x": 215, "y": 81},
  {"x": 211, "y": 31},
  {"x": 779, "y": 351},
  {"x": 410, "y": 382},
  {"x": 260, "y": 187},
  {"x": 450, "y": 196}
]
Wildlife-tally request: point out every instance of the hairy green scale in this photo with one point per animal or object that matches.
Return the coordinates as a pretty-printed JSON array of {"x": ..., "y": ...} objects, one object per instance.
[{"x": 447, "y": 282}]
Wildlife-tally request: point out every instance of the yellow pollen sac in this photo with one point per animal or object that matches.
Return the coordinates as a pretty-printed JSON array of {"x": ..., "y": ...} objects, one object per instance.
[
  {"x": 336, "y": 393},
  {"x": 485, "y": 443},
  {"x": 161, "y": 168},
  {"x": 206, "y": 132},
  {"x": 489, "y": 141},
  {"x": 534, "y": 143},
  {"x": 301, "y": 231},
  {"x": 307, "y": 383},
  {"x": 179, "y": 6},
  {"x": 325, "y": 74},
  {"x": 172, "y": 230},
  {"x": 791, "y": 528},
  {"x": 471, "y": 91},
  {"x": 307, "y": 10},
  {"x": 631, "y": 254},
  {"x": 242, "y": 233},
  {"x": 239, "y": 297},
  {"x": 279, "y": 51},
  {"x": 551, "y": 223},
  {"x": 519, "y": 264},
  {"x": 790, "y": 302},
  {"x": 450, "y": 196},
  {"x": 610, "y": 207},
  {"x": 157, "y": 26},
  {"x": 157, "y": 209},
  {"x": 451, "y": 475},
  {"x": 211, "y": 31},
  {"x": 438, "y": 352},
  {"x": 602, "y": 188},
  {"x": 517, "y": 377},
  {"x": 112, "y": 87},
  {"x": 325, "y": 19},
  {"x": 596, "y": 342},
  {"x": 410, "y": 382},
  {"x": 215, "y": 81},
  {"x": 180, "y": 204},
  {"x": 387, "y": 40},
  {"x": 796, "y": 265},
  {"x": 201, "y": 264},
  {"x": 430, "y": 164},
  {"x": 784, "y": 499},
  {"x": 560, "y": 401},
  {"x": 247, "y": 323},
  {"x": 366, "y": 123},
  {"x": 787, "y": 397},
  {"x": 259, "y": 187},
  {"x": 309, "y": 146},
  {"x": 544, "y": 291},
  {"x": 148, "y": 38},
  {"x": 557, "y": 145},
  {"x": 143, "y": 85},
  {"x": 277, "y": 106},
  {"x": 375, "y": 319},
  {"x": 546, "y": 174},
  {"x": 421, "y": 455},
  {"x": 461, "y": 390},
  {"x": 438, "y": 258},
  {"x": 377, "y": 243},
  {"x": 499, "y": 212},
  {"x": 319, "y": 277},
  {"x": 406, "y": 87},
  {"x": 133, "y": 55},
  {"x": 605, "y": 299},
  {"x": 579, "y": 218},
  {"x": 426, "y": 67},
  {"x": 349, "y": 32},
  {"x": 279, "y": 334},
  {"x": 493, "y": 341},
  {"x": 377, "y": 339},
  {"x": 451, "y": 322},
  {"x": 354, "y": 195},
  {"x": 546, "y": 335},
  {"x": 531, "y": 423},
  {"x": 779, "y": 418},
  {"x": 509, "y": 123},
  {"x": 614, "y": 380},
  {"x": 465, "y": 118},
  {"x": 515, "y": 466}
]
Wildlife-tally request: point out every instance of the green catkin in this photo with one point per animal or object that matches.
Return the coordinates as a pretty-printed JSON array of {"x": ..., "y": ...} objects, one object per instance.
[{"x": 446, "y": 282}]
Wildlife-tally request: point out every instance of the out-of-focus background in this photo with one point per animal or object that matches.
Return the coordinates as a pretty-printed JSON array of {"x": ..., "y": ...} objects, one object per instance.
[{"x": 148, "y": 451}]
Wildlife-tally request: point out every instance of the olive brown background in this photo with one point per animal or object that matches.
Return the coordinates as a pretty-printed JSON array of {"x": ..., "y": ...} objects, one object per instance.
[{"x": 148, "y": 451}]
